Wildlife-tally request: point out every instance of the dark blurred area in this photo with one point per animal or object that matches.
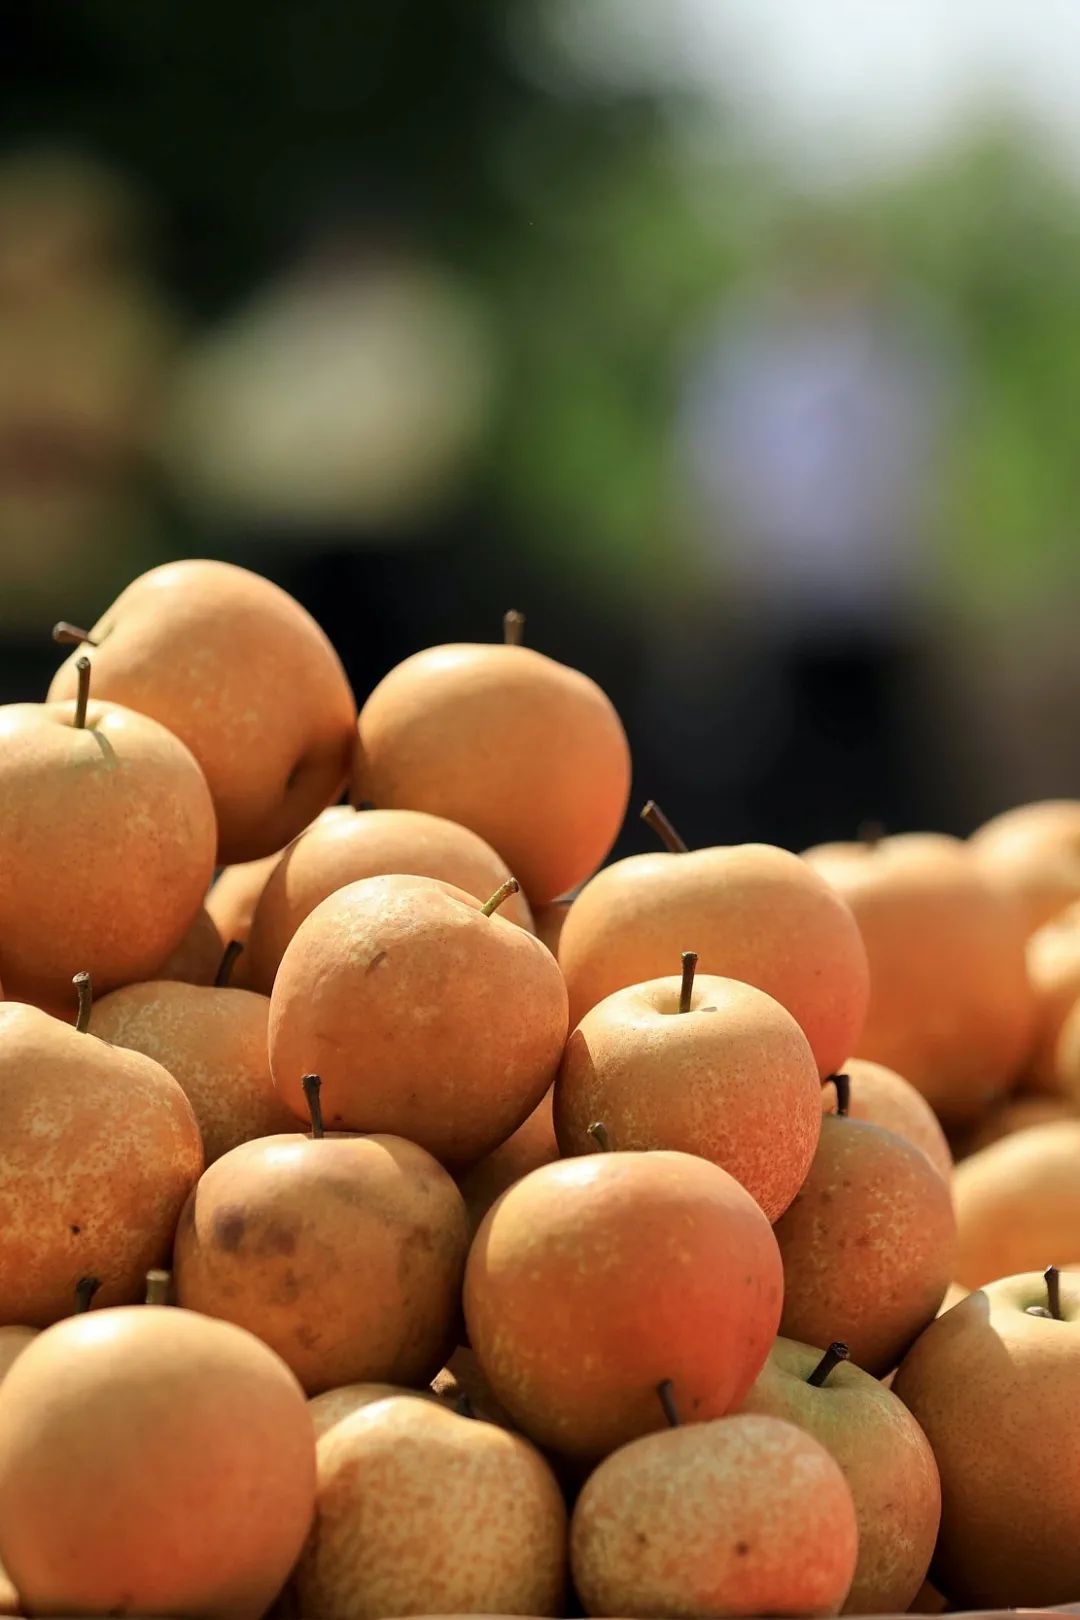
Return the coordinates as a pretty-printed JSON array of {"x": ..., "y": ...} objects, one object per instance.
[{"x": 420, "y": 313}]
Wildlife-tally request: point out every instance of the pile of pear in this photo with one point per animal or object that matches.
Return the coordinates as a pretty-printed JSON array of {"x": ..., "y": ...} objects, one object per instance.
[{"x": 404, "y": 1212}]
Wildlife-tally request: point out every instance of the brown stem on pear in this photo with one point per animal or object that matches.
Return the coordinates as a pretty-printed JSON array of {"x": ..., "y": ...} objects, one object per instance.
[
  {"x": 312, "y": 1086},
  {"x": 1052, "y": 1278},
  {"x": 85, "y": 1289},
  {"x": 228, "y": 961},
  {"x": 82, "y": 696},
  {"x": 503, "y": 892},
  {"x": 84, "y": 989},
  {"x": 157, "y": 1287},
  {"x": 666, "y": 1392},
  {"x": 654, "y": 817},
  {"x": 598, "y": 1132},
  {"x": 870, "y": 833},
  {"x": 842, "y": 1082},
  {"x": 513, "y": 628},
  {"x": 833, "y": 1356},
  {"x": 69, "y": 635},
  {"x": 686, "y": 991}
]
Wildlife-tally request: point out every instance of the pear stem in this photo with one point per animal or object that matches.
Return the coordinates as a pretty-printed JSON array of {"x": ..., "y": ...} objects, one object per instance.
[
  {"x": 503, "y": 892},
  {"x": 157, "y": 1287},
  {"x": 1052, "y": 1277},
  {"x": 228, "y": 961},
  {"x": 85, "y": 1289},
  {"x": 654, "y": 817},
  {"x": 666, "y": 1392},
  {"x": 833, "y": 1356},
  {"x": 842, "y": 1082},
  {"x": 686, "y": 991},
  {"x": 82, "y": 696},
  {"x": 513, "y": 628},
  {"x": 70, "y": 635},
  {"x": 598, "y": 1132},
  {"x": 84, "y": 989},
  {"x": 312, "y": 1086},
  {"x": 870, "y": 833}
]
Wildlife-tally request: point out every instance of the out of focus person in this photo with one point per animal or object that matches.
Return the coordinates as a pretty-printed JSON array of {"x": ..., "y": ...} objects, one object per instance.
[
  {"x": 85, "y": 343},
  {"x": 808, "y": 431}
]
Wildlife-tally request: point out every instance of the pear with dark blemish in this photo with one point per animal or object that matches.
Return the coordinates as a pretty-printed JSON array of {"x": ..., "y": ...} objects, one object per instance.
[{"x": 343, "y": 1253}]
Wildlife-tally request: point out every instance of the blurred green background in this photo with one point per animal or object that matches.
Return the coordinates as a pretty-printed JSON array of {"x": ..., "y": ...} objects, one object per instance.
[{"x": 399, "y": 304}]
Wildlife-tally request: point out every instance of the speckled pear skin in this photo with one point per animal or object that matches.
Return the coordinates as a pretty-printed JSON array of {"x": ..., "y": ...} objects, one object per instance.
[
  {"x": 344, "y": 1254},
  {"x": 997, "y": 1393},
  {"x": 152, "y": 1461},
  {"x": 750, "y": 911},
  {"x": 885, "y": 1458},
  {"x": 528, "y": 753},
  {"x": 1033, "y": 853},
  {"x": 213, "y": 1042},
  {"x": 595, "y": 1278},
  {"x": 745, "y": 1516},
  {"x": 245, "y": 677},
  {"x": 882, "y": 1097},
  {"x": 106, "y": 846},
  {"x": 354, "y": 844},
  {"x": 733, "y": 1079},
  {"x": 1017, "y": 1202},
  {"x": 526, "y": 1149},
  {"x": 422, "y": 1016},
  {"x": 198, "y": 956},
  {"x": 100, "y": 1150},
  {"x": 334, "y": 1404},
  {"x": 951, "y": 1008},
  {"x": 420, "y": 1510},
  {"x": 868, "y": 1244}
]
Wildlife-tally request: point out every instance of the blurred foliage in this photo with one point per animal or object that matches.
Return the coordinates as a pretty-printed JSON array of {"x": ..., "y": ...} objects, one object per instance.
[{"x": 596, "y": 240}]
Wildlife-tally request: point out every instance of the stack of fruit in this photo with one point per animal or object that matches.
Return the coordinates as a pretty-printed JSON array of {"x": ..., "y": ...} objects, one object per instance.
[{"x": 383, "y": 1233}]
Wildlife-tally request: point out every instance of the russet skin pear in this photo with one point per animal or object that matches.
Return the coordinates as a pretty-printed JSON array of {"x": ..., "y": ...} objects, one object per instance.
[
  {"x": 236, "y": 669},
  {"x": 426, "y": 1014},
  {"x": 882, "y": 1097},
  {"x": 421, "y": 1510},
  {"x": 348, "y": 845},
  {"x": 885, "y": 1458},
  {"x": 152, "y": 1461},
  {"x": 748, "y": 1515},
  {"x": 742, "y": 909},
  {"x": 100, "y": 1149},
  {"x": 950, "y": 1008},
  {"x": 577, "y": 1275},
  {"x": 995, "y": 1386},
  {"x": 519, "y": 748},
  {"x": 213, "y": 1041},
  {"x": 107, "y": 839},
  {"x": 868, "y": 1243},
  {"x": 700, "y": 1064},
  {"x": 343, "y": 1253}
]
